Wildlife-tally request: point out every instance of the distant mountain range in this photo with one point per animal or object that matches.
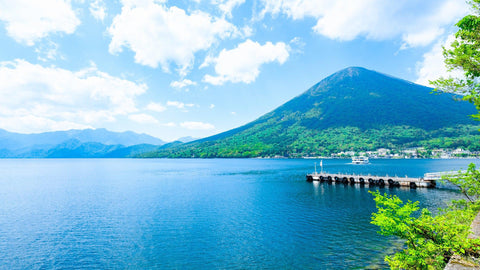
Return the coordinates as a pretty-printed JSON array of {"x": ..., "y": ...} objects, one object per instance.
[
  {"x": 76, "y": 143},
  {"x": 354, "y": 109}
]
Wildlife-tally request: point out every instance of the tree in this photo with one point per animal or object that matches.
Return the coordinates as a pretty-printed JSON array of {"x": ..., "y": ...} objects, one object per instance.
[
  {"x": 432, "y": 240},
  {"x": 468, "y": 182},
  {"x": 464, "y": 56}
]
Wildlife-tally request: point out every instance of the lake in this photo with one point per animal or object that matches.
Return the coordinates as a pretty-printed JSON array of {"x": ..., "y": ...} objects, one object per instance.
[{"x": 197, "y": 213}]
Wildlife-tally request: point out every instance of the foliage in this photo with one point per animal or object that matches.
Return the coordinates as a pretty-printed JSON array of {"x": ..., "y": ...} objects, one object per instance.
[
  {"x": 468, "y": 182},
  {"x": 430, "y": 240},
  {"x": 266, "y": 140},
  {"x": 464, "y": 55}
]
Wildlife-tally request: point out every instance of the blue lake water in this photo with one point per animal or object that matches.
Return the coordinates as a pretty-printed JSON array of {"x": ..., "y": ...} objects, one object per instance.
[{"x": 196, "y": 214}]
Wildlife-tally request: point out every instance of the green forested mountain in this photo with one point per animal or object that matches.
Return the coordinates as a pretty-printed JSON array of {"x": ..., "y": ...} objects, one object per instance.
[{"x": 353, "y": 109}]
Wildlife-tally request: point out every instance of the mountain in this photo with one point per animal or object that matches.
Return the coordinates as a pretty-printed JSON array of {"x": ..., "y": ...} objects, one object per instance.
[
  {"x": 100, "y": 135},
  {"x": 353, "y": 109},
  {"x": 75, "y": 149},
  {"x": 76, "y": 143}
]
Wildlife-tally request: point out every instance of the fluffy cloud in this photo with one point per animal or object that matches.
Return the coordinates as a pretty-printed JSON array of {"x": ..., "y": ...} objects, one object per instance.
[
  {"x": 242, "y": 64},
  {"x": 374, "y": 19},
  {"x": 226, "y": 6},
  {"x": 181, "y": 84},
  {"x": 433, "y": 66},
  {"x": 34, "y": 98},
  {"x": 143, "y": 118},
  {"x": 197, "y": 125},
  {"x": 159, "y": 35},
  {"x": 28, "y": 21},
  {"x": 98, "y": 9}
]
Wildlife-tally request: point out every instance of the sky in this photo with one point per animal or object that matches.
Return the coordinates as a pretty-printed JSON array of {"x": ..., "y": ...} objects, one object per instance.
[{"x": 199, "y": 67}]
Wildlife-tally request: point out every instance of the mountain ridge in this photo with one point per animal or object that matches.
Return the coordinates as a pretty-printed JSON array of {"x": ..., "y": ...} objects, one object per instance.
[{"x": 74, "y": 143}]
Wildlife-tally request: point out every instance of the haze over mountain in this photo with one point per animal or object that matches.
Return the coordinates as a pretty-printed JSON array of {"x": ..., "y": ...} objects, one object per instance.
[
  {"x": 76, "y": 143},
  {"x": 187, "y": 139},
  {"x": 353, "y": 109}
]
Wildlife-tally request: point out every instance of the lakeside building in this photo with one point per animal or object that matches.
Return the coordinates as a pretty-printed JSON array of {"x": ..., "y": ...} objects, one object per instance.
[{"x": 414, "y": 152}]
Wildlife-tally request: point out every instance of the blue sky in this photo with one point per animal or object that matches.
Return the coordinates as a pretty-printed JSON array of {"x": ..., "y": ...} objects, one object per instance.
[{"x": 199, "y": 67}]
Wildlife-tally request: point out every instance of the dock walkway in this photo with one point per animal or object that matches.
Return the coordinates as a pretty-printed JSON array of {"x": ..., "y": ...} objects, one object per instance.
[{"x": 390, "y": 181}]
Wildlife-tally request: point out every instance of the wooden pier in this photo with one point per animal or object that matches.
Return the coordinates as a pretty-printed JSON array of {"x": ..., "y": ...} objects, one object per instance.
[{"x": 373, "y": 180}]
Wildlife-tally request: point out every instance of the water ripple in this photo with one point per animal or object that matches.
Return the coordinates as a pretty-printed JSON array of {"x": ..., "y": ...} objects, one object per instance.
[{"x": 191, "y": 214}]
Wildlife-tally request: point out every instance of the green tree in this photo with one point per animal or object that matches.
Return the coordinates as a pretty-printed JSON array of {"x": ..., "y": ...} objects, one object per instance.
[
  {"x": 431, "y": 240},
  {"x": 464, "y": 56},
  {"x": 468, "y": 182}
]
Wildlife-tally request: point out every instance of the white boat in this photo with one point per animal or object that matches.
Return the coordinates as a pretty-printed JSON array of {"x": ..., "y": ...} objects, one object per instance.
[{"x": 360, "y": 160}]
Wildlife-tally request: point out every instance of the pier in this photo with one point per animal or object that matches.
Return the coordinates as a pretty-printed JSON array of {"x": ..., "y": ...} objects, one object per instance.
[{"x": 374, "y": 180}]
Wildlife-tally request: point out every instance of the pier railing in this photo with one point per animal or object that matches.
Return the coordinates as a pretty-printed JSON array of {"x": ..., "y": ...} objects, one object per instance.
[{"x": 440, "y": 175}]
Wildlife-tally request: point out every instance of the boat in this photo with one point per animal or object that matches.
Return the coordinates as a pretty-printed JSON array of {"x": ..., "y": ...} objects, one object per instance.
[{"x": 360, "y": 160}]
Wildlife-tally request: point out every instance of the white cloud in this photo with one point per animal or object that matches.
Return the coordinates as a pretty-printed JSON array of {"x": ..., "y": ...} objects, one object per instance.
[
  {"x": 433, "y": 66},
  {"x": 197, "y": 125},
  {"x": 417, "y": 23},
  {"x": 48, "y": 51},
  {"x": 98, "y": 9},
  {"x": 247, "y": 31},
  {"x": 208, "y": 61},
  {"x": 143, "y": 118},
  {"x": 34, "y": 124},
  {"x": 156, "y": 107},
  {"x": 159, "y": 35},
  {"x": 28, "y": 21},
  {"x": 242, "y": 64},
  {"x": 211, "y": 106},
  {"x": 181, "y": 84},
  {"x": 422, "y": 38},
  {"x": 296, "y": 45},
  {"x": 61, "y": 99},
  {"x": 226, "y": 6},
  {"x": 179, "y": 105}
]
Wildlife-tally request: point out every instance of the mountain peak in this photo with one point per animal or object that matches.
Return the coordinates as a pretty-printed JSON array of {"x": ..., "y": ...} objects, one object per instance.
[
  {"x": 356, "y": 78},
  {"x": 348, "y": 74},
  {"x": 353, "y": 71}
]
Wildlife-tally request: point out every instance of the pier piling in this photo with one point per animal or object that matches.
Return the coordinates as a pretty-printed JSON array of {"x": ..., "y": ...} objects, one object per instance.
[{"x": 390, "y": 181}]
